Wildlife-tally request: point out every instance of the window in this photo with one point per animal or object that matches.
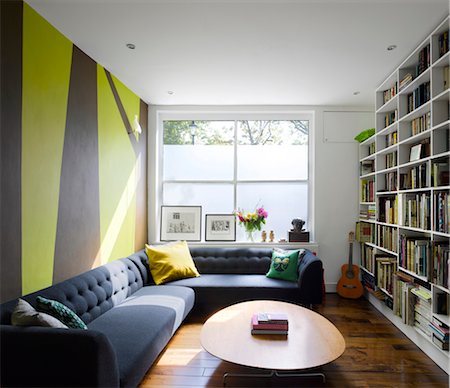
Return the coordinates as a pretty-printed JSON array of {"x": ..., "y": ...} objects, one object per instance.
[{"x": 224, "y": 165}]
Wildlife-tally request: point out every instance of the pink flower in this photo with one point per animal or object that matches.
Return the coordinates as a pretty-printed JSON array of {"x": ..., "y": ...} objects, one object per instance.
[
  {"x": 240, "y": 218},
  {"x": 262, "y": 213}
]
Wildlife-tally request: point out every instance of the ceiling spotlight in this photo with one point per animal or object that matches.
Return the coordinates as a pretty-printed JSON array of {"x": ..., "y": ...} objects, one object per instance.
[
  {"x": 170, "y": 92},
  {"x": 131, "y": 46},
  {"x": 356, "y": 93},
  {"x": 391, "y": 47}
]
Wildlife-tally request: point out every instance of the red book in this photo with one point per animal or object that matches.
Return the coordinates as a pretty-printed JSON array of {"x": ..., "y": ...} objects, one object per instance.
[{"x": 266, "y": 325}]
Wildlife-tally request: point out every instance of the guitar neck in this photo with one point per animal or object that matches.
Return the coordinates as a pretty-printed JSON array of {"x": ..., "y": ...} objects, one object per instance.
[{"x": 350, "y": 255}]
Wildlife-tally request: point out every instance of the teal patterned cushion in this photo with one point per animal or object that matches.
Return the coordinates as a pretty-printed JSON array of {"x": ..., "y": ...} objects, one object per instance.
[{"x": 61, "y": 312}]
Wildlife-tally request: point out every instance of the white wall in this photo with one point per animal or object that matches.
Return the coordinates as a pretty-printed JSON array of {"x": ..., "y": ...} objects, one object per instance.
[{"x": 335, "y": 179}]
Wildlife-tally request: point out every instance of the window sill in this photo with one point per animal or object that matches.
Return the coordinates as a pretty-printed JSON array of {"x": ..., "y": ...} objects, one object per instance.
[{"x": 312, "y": 246}]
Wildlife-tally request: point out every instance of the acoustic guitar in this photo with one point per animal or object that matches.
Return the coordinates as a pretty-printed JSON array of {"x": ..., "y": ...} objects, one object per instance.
[{"x": 349, "y": 285}]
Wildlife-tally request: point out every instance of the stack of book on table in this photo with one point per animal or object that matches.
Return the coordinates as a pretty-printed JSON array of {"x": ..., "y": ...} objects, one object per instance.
[{"x": 270, "y": 323}]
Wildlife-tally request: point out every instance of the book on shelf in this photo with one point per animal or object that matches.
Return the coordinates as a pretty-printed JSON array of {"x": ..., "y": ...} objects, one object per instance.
[
  {"x": 415, "y": 255},
  {"x": 446, "y": 77},
  {"x": 443, "y": 345},
  {"x": 423, "y": 60},
  {"x": 367, "y": 167},
  {"x": 441, "y": 263},
  {"x": 367, "y": 257},
  {"x": 364, "y": 232},
  {"x": 443, "y": 43},
  {"x": 391, "y": 139},
  {"x": 440, "y": 174},
  {"x": 419, "y": 96},
  {"x": 421, "y": 124},
  {"x": 407, "y": 78},
  {"x": 415, "y": 210},
  {"x": 439, "y": 329},
  {"x": 390, "y": 118},
  {"x": 415, "y": 178},
  {"x": 367, "y": 190},
  {"x": 386, "y": 268},
  {"x": 442, "y": 210},
  {"x": 387, "y": 237},
  {"x": 389, "y": 93}
]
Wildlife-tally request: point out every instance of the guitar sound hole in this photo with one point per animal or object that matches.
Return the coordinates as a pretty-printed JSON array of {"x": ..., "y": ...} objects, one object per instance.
[{"x": 350, "y": 274}]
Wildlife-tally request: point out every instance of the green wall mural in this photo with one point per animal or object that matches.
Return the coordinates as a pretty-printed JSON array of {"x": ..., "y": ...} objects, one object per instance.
[{"x": 82, "y": 178}]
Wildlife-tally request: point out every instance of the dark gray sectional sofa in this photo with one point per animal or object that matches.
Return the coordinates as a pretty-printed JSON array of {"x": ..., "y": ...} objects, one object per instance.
[{"x": 130, "y": 320}]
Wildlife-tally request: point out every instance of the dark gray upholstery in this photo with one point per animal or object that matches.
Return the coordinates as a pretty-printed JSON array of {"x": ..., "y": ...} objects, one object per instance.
[
  {"x": 232, "y": 275},
  {"x": 129, "y": 324}
]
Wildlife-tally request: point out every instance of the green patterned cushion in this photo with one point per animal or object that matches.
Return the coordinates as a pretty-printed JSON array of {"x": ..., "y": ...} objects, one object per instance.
[
  {"x": 61, "y": 312},
  {"x": 284, "y": 266}
]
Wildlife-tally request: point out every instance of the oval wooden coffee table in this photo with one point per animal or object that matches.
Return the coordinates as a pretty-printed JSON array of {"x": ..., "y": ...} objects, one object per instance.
[{"x": 313, "y": 340}]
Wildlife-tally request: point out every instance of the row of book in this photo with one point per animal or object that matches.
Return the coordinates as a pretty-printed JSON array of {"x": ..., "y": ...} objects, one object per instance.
[
  {"x": 367, "y": 257},
  {"x": 419, "y": 96},
  {"x": 415, "y": 255},
  {"x": 387, "y": 237},
  {"x": 407, "y": 78},
  {"x": 371, "y": 148},
  {"x": 391, "y": 159},
  {"x": 415, "y": 210},
  {"x": 446, "y": 77},
  {"x": 367, "y": 167},
  {"x": 367, "y": 212},
  {"x": 389, "y": 93},
  {"x": 387, "y": 207},
  {"x": 421, "y": 124},
  {"x": 440, "y": 173},
  {"x": 367, "y": 190},
  {"x": 443, "y": 44},
  {"x": 391, "y": 139},
  {"x": 424, "y": 60},
  {"x": 365, "y": 232},
  {"x": 390, "y": 181},
  {"x": 415, "y": 178},
  {"x": 270, "y": 323},
  {"x": 386, "y": 267},
  {"x": 442, "y": 210},
  {"x": 412, "y": 302},
  {"x": 390, "y": 118},
  {"x": 441, "y": 263}
]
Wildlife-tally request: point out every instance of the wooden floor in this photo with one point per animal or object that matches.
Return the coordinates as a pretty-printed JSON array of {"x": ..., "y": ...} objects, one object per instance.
[{"x": 377, "y": 355}]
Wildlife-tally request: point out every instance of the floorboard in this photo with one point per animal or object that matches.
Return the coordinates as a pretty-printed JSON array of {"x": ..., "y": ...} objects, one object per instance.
[{"x": 377, "y": 355}]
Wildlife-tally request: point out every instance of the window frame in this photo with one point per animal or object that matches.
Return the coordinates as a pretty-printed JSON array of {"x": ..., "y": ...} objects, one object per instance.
[{"x": 156, "y": 171}]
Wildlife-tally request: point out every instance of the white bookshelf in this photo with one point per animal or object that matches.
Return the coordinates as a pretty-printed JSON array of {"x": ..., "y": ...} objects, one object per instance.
[{"x": 417, "y": 113}]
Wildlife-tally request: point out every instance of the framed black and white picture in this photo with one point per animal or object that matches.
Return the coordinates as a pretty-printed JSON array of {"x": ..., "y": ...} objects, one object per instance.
[
  {"x": 415, "y": 152},
  {"x": 220, "y": 227},
  {"x": 181, "y": 223}
]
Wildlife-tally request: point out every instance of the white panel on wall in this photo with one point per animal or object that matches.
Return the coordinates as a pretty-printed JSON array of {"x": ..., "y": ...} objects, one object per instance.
[{"x": 342, "y": 127}]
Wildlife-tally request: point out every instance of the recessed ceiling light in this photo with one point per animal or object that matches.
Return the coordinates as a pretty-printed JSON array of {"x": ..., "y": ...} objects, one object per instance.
[
  {"x": 356, "y": 93},
  {"x": 391, "y": 47},
  {"x": 131, "y": 46},
  {"x": 170, "y": 92}
]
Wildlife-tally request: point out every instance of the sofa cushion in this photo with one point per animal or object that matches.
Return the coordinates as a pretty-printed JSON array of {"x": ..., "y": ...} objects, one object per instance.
[
  {"x": 170, "y": 261},
  {"x": 26, "y": 315},
  {"x": 60, "y": 312},
  {"x": 138, "y": 333},
  {"x": 284, "y": 266}
]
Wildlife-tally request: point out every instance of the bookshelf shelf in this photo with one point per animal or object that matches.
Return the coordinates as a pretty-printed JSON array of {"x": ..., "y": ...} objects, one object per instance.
[{"x": 412, "y": 108}]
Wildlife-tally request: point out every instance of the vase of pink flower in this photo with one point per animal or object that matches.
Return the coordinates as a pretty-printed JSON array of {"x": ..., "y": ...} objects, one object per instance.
[{"x": 252, "y": 221}]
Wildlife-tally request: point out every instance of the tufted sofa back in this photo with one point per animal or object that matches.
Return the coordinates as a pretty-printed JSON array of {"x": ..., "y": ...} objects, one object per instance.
[
  {"x": 94, "y": 292},
  {"x": 231, "y": 260}
]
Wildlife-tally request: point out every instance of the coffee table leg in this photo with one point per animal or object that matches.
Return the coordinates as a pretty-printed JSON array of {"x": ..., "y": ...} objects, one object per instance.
[{"x": 271, "y": 374}]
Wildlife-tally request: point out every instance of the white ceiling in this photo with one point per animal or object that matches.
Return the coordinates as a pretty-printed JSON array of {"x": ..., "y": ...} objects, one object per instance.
[{"x": 285, "y": 52}]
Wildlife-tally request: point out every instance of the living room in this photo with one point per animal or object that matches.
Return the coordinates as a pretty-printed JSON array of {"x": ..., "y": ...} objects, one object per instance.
[{"x": 90, "y": 91}]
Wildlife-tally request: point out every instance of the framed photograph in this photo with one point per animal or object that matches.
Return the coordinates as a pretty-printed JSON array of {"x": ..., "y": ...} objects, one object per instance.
[
  {"x": 181, "y": 223},
  {"x": 220, "y": 227},
  {"x": 415, "y": 152}
]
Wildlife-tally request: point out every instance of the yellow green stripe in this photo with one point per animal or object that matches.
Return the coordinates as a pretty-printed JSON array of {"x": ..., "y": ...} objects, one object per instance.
[{"x": 47, "y": 57}]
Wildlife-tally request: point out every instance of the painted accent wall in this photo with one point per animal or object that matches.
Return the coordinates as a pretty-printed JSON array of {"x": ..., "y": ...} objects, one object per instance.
[{"x": 73, "y": 173}]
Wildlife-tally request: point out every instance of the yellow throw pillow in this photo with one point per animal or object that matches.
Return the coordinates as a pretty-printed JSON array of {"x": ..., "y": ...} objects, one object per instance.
[{"x": 170, "y": 262}]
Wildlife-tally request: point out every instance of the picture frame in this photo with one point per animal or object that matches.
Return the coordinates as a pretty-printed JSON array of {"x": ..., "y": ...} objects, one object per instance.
[
  {"x": 180, "y": 223},
  {"x": 220, "y": 227},
  {"x": 415, "y": 152}
]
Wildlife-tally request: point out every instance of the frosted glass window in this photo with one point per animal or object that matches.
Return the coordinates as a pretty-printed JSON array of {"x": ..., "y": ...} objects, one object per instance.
[
  {"x": 198, "y": 150},
  {"x": 283, "y": 201},
  {"x": 272, "y": 150},
  {"x": 214, "y": 197}
]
